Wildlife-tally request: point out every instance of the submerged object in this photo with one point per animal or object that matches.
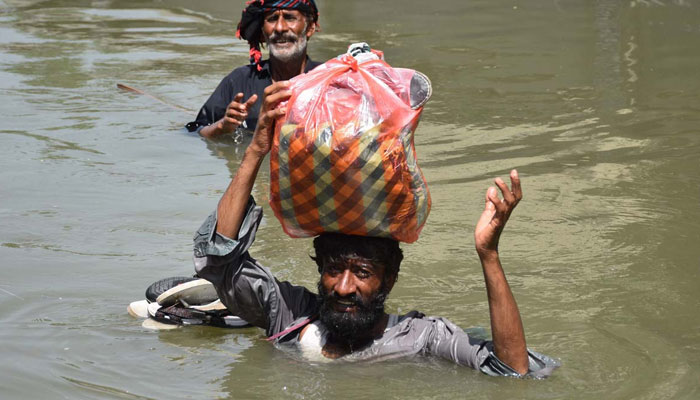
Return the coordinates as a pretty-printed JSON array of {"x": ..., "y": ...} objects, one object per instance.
[
  {"x": 343, "y": 158},
  {"x": 179, "y": 301},
  {"x": 194, "y": 292}
]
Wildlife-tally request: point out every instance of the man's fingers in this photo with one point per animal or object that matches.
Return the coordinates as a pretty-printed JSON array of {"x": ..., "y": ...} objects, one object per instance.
[
  {"x": 492, "y": 197},
  {"x": 236, "y": 106},
  {"x": 233, "y": 120},
  {"x": 275, "y": 98},
  {"x": 505, "y": 190},
  {"x": 275, "y": 87},
  {"x": 251, "y": 100},
  {"x": 515, "y": 184},
  {"x": 491, "y": 191},
  {"x": 487, "y": 214},
  {"x": 235, "y": 113},
  {"x": 269, "y": 112},
  {"x": 235, "y": 117},
  {"x": 271, "y": 115},
  {"x": 277, "y": 112},
  {"x": 273, "y": 90}
]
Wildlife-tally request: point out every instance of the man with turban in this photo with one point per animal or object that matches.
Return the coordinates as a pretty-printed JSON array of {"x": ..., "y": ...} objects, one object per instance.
[{"x": 284, "y": 26}]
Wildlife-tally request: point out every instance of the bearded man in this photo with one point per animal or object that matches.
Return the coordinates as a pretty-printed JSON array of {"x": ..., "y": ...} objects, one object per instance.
[
  {"x": 346, "y": 319},
  {"x": 285, "y": 27}
]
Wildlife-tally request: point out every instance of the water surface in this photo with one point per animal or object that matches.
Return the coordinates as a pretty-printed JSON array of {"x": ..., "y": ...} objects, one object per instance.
[{"x": 596, "y": 103}]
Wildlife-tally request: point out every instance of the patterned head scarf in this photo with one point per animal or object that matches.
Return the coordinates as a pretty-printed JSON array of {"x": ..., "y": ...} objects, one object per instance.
[{"x": 250, "y": 26}]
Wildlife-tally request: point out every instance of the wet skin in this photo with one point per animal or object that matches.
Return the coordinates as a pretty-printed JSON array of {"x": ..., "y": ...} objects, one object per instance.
[
  {"x": 354, "y": 277},
  {"x": 351, "y": 280},
  {"x": 281, "y": 22}
]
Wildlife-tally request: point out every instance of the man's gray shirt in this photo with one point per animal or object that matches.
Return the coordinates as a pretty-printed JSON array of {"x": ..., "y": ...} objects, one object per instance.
[{"x": 251, "y": 292}]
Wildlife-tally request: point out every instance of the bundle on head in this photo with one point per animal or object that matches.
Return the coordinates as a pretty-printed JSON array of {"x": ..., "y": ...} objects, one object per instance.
[{"x": 343, "y": 158}]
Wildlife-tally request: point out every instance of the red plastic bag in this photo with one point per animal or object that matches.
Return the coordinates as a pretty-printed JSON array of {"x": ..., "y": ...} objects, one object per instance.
[{"x": 343, "y": 158}]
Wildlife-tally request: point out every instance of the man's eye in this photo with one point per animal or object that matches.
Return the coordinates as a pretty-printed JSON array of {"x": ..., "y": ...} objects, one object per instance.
[
  {"x": 333, "y": 270},
  {"x": 363, "y": 273}
]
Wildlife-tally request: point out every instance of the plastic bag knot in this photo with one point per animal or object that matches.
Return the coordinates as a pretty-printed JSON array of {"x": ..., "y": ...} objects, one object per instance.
[{"x": 351, "y": 61}]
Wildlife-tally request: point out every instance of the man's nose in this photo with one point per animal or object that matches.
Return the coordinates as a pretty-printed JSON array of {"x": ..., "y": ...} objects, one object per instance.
[
  {"x": 346, "y": 285},
  {"x": 281, "y": 23}
]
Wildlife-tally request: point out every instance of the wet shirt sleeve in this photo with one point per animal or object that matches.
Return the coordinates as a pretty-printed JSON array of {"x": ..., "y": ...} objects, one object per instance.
[
  {"x": 215, "y": 106},
  {"x": 440, "y": 337},
  {"x": 447, "y": 340},
  {"x": 248, "y": 289}
]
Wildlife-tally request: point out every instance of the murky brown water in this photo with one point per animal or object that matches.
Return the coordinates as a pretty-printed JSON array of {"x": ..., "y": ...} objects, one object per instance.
[{"x": 597, "y": 103}]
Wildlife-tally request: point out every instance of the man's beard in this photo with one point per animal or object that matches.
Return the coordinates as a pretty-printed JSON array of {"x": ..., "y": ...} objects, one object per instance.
[
  {"x": 295, "y": 52},
  {"x": 351, "y": 327}
]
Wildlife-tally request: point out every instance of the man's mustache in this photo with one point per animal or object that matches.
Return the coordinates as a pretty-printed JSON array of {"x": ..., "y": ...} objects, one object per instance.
[
  {"x": 354, "y": 299},
  {"x": 287, "y": 37}
]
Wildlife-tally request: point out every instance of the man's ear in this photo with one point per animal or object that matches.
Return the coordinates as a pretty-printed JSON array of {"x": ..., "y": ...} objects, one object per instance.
[
  {"x": 389, "y": 282},
  {"x": 311, "y": 29}
]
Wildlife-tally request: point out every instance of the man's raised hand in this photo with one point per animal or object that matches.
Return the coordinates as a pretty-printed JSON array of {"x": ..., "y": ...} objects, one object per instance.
[
  {"x": 236, "y": 112},
  {"x": 496, "y": 213},
  {"x": 269, "y": 112}
]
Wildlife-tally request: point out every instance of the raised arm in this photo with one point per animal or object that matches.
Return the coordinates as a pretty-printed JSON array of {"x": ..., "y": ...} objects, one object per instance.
[
  {"x": 232, "y": 205},
  {"x": 506, "y": 325}
]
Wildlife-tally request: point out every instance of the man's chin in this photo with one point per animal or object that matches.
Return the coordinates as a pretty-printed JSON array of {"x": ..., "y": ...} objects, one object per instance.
[
  {"x": 343, "y": 324},
  {"x": 350, "y": 326},
  {"x": 287, "y": 51},
  {"x": 282, "y": 54}
]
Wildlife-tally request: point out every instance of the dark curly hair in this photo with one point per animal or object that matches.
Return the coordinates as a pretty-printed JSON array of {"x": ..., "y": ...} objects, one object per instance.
[{"x": 331, "y": 247}]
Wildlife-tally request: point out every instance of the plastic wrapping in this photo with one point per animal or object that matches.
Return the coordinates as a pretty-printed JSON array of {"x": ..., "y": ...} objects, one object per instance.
[{"x": 343, "y": 158}]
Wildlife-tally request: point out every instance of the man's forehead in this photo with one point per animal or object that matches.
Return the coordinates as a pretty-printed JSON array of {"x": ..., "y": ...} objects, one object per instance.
[
  {"x": 355, "y": 260},
  {"x": 283, "y": 12}
]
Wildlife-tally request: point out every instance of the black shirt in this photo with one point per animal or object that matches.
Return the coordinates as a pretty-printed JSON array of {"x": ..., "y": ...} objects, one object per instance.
[{"x": 247, "y": 80}]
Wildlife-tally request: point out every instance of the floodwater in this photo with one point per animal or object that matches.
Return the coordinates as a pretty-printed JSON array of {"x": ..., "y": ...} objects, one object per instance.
[{"x": 597, "y": 103}]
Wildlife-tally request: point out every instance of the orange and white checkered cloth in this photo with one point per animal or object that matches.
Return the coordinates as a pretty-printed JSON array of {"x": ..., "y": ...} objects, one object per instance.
[{"x": 343, "y": 158}]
